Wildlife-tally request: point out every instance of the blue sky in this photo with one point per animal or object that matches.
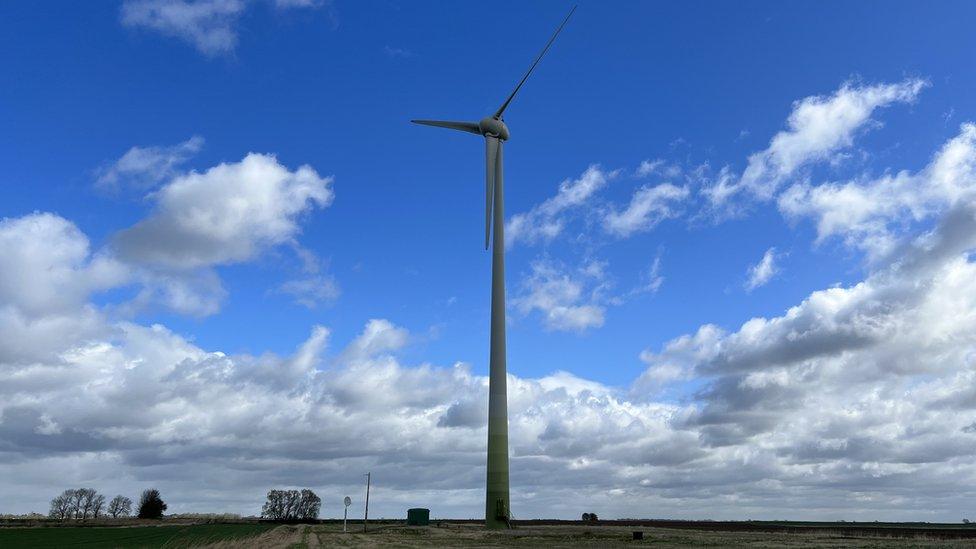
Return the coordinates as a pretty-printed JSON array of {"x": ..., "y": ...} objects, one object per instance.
[{"x": 691, "y": 92}]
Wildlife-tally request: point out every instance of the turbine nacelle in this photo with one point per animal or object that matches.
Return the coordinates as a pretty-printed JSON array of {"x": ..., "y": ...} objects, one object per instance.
[{"x": 493, "y": 127}]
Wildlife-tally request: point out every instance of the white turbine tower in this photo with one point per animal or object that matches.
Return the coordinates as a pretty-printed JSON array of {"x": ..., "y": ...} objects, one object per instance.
[{"x": 495, "y": 132}]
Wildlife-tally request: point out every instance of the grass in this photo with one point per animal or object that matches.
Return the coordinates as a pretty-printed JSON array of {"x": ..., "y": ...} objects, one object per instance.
[{"x": 139, "y": 536}]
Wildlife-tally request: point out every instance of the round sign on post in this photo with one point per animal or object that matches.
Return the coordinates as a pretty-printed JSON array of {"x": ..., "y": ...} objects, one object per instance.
[{"x": 347, "y": 501}]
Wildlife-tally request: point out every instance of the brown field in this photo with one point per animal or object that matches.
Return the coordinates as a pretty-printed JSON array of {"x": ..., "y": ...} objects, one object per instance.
[
  {"x": 172, "y": 533},
  {"x": 445, "y": 534}
]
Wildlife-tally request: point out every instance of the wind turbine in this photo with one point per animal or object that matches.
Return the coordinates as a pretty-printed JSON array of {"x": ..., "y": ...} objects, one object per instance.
[{"x": 495, "y": 132}]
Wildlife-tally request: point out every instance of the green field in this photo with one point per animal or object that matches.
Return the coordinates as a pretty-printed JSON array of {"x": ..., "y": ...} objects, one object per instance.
[{"x": 139, "y": 536}]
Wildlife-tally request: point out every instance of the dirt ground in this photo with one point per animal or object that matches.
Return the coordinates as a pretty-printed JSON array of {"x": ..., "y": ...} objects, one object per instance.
[{"x": 465, "y": 535}]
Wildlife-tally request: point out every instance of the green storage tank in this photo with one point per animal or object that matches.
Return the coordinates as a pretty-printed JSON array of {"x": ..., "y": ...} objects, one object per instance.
[{"x": 418, "y": 517}]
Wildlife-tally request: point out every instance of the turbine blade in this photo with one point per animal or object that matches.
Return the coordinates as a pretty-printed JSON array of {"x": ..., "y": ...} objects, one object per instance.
[
  {"x": 470, "y": 127},
  {"x": 534, "y": 63},
  {"x": 491, "y": 166}
]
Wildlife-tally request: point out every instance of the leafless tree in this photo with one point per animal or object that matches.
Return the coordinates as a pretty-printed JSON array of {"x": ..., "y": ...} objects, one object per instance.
[
  {"x": 77, "y": 502},
  {"x": 98, "y": 504},
  {"x": 63, "y": 505},
  {"x": 120, "y": 506},
  {"x": 308, "y": 505},
  {"x": 87, "y": 501},
  {"x": 291, "y": 505}
]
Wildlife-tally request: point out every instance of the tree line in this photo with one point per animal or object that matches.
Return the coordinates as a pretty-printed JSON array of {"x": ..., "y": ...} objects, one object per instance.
[{"x": 87, "y": 503}]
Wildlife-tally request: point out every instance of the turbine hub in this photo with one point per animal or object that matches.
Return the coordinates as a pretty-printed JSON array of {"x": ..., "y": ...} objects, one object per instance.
[{"x": 494, "y": 127}]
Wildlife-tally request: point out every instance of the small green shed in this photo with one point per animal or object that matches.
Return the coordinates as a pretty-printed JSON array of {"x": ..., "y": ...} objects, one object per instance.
[{"x": 418, "y": 517}]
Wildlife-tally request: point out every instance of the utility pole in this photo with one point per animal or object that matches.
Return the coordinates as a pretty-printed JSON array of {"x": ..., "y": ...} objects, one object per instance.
[{"x": 366, "y": 513}]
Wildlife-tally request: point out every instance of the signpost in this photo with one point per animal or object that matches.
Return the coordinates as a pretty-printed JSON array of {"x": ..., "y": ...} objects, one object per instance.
[{"x": 347, "y": 502}]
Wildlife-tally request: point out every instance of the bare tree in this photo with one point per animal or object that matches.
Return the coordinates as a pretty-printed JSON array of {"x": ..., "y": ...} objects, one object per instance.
[
  {"x": 77, "y": 499},
  {"x": 62, "y": 506},
  {"x": 120, "y": 506},
  {"x": 88, "y": 499},
  {"x": 291, "y": 505},
  {"x": 98, "y": 504}
]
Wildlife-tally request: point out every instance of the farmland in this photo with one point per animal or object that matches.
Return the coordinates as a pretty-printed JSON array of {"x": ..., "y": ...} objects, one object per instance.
[
  {"x": 171, "y": 536},
  {"x": 666, "y": 534}
]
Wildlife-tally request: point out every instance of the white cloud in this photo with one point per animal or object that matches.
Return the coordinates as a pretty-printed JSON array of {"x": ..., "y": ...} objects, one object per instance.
[
  {"x": 198, "y": 292},
  {"x": 547, "y": 220},
  {"x": 871, "y": 213},
  {"x": 228, "y": 214},
  {"x": 818, "y": 128},
  {"x": 379, "y": 337},
  {"x": 46, "y": 266},
  {"x": 764, "y": 271},
  {"x": 147, "y": 415},
  {"x": 858, "y": 402},
  {"x": 564, "y": 299},
  {"x": 658, "y": 166},
  {"x": 649, "y": 167},
  {"x": 142, "y": 168},
  {"x": 648, "y": 207},
  {"x": 868, "y": 387},
  {"x": 311, "y": 291},
  {"x": 210, "y": 25},
  {"x": 654, "y": 278},
  {"x": 207, "y": 24}
]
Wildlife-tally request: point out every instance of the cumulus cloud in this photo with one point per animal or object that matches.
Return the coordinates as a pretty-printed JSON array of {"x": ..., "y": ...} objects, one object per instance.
[
  {"x": 841, "y": 376},
  {"x": 567, "y": 301},
  {"x": 148, "y": 414},
  {"x": 764, "y": 271},
  {"x": 818, "y": 128},
  {"x": 228, "y": 214},
  {"x": 46, "y": 266},
  {"x": 871, "y": 214},
  {"x": 858, "y": 401},
  {"x": 648, "y": 207},
  {"x": 865, "y": 389},
  {"x": 231, "y": 213},
  {"x": 142, "y": 168},
  {"x": 547, "y": 220},
  {"x": 198, "y": 292},
  {"x": 210, "y": 25}
]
